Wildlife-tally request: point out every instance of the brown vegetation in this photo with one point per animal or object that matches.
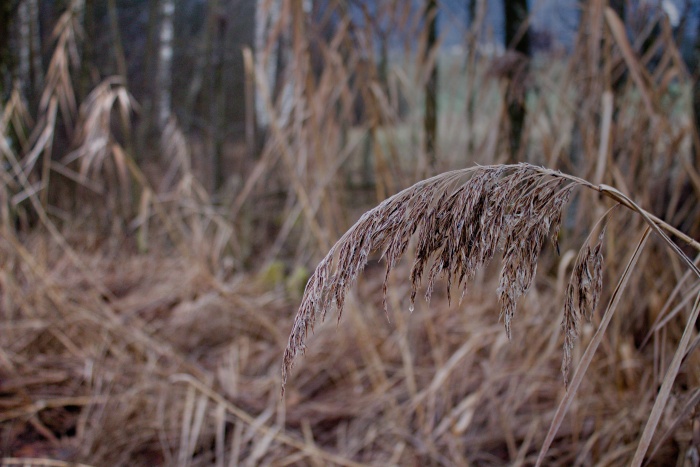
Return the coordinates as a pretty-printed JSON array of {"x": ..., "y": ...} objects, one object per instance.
[{"x": 143, "y": 318}]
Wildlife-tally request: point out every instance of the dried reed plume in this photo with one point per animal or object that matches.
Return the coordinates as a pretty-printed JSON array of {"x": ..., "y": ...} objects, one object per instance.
[{"x": 461, "y": 224}]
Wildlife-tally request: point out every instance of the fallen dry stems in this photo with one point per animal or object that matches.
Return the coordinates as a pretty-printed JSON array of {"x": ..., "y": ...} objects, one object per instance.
[
  {"x": 263, "y": 429},
  {"x": 106, "y": 377},
  {"x": 36, "y": 462},
  {"x": 665, "y": 391}
]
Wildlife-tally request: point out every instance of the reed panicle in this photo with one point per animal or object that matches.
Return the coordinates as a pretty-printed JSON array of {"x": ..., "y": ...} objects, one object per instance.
[
  {"x": 460, "y": 220},
  {"x": 582, "y": 294}
]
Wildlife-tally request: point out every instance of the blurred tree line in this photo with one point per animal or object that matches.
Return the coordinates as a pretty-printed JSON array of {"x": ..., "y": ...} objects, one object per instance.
[{"x": 185, "y": 58}]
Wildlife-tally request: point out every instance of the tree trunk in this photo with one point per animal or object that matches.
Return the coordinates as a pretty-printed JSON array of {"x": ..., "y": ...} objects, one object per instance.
[
  {"x": 476, "y": 10},
  {"x": 6, "y": 63},
  {"x": 147, "y": 135},
  {"x": 35, "y": 46},
  {"x": 431, "y": 87},
  {"x": 24, "y": 67},
  {"x": 152, "y": 48},
  {"x": 696, "y": 94},
  {"x": 85, "y": 82},
  {"x": 471, "y": 13},
  {"x": 217, "y": 101},
  {"x": 165, "y": 62},
  {"x": 517, "y": 37},
  {"x": 267, "y": 15}
]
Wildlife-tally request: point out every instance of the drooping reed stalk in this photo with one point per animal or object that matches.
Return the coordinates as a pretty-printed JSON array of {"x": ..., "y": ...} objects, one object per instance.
[{"x": 460, "y": 220}]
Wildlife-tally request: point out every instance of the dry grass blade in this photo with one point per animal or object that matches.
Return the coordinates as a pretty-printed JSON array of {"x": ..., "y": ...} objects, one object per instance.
[
  {"x": 36, "y": 462},
  {"x": 664, "y": 315},
  {"x": 665, "y": 391},
  {"x": 65, "y": 57},
  {"x": 44, "y": 141},
  {"x": 261, "y": 429},
  {"x": 659, "y": 226},
  {"x": 683, "y": 414},
  {"x": 176, "y": 151},
  {"x": 96, "y": 135},
  {"x": 639, "y": 74},
  {"x": 16, "y": 114}
]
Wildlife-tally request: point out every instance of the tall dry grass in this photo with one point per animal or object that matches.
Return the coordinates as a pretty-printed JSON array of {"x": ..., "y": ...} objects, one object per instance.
[
  {"x": 132, "y": 331},
  {"x": 460, "y": 226}
]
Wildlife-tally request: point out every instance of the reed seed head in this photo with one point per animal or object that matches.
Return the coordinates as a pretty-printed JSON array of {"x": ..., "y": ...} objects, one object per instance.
[{"x": 460, "y": 219}]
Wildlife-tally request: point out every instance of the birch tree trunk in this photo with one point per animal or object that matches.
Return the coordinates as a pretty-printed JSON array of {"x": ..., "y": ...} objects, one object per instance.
[
  {"x": 273, "y": 53},
  {"x": 165, "y": 63},
  {"x": 266, "y": 16}
]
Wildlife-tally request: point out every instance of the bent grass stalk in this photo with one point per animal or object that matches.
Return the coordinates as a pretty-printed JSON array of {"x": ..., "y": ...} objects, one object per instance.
[{"x": 460, "y": 220}]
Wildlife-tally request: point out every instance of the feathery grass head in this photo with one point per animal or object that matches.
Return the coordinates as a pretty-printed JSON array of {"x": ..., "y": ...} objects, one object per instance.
[
  {"x": 582, "y": 294},
  {"x": 460, "y": 219}
]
